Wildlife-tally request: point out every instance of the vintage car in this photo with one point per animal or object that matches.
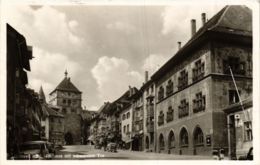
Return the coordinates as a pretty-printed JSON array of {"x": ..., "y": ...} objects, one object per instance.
[
  {"x": 34, "y": 150},
  {"x": 248, "y": 156},
  {"x": 111, "y": 147}
]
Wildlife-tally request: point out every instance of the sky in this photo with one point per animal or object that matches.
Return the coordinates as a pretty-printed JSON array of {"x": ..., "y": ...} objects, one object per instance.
[{"x": 105, "y": 49}]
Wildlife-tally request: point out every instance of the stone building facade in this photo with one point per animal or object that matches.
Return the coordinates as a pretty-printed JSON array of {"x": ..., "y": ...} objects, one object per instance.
[
  {"x": 183, "y": 103},
  {"x": 138, "y": 121},
  {"x": 194, "y": 86},
  {"x": 56, "y": 126},
  {"x": 149, "y": 113},
  {"x": 240, "y": 130},
  {"x": 68, "y": 98},
  {"x": 23, "y": 107},
  {"x": 126, "y": 126}
]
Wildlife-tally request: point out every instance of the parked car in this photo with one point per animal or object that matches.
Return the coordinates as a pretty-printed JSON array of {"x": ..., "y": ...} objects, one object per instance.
[
  {"x": 111, "y": 147},
  {"x": 248, "y": 156},
  {"x": 98, "y": 146},
  {"x": 34, "y": 150}
]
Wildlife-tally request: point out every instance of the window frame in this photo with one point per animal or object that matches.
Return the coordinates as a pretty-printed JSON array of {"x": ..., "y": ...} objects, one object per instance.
[{"x": 246, "y": 130}]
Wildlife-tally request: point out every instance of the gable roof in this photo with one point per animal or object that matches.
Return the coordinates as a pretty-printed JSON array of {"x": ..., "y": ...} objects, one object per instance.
[
  {"x": 66, "y": 85},
  {"x": 234, "y": 19}
]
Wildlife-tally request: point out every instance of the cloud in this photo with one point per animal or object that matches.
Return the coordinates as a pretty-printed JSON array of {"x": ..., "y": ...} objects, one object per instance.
[
  {"x": 177, "y": 21},
  {"x": 45, "y": 27},
  {"x": 113, "y": 76},
  {"x": 121, "y": 26},
  {"x": 48, "y": 69},
  {"x": 153, "y": 62}
]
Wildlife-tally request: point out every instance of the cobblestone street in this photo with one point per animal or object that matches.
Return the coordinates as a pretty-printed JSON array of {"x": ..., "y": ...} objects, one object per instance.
[{"x": 88, "y": 152}]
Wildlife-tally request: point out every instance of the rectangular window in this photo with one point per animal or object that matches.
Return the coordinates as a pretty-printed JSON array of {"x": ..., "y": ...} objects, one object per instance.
[
  {"x": 198, "y": 71},
  {"x": 64, "y": 101},
  {"x": 161, "y": 118},
  {"x": 183, "y": 109},
  {"x": 183, "y": 79},
  {"x": 233, "y": 96},
  {"x": 199, "y": 103},
  {"x": 248, "y": 131},
  {"x": 124, "y": 129},
  {"x": 160, "y": 93},
  {"x": 235, "y": 65},
  {"x": 170, "y": 114},
  {"x": 169, "y": 88},
  {"x": 69, "y": 102}
]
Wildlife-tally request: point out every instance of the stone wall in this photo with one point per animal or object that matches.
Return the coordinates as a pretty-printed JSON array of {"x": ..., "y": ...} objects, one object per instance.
[{"x": 73, "y": 125}]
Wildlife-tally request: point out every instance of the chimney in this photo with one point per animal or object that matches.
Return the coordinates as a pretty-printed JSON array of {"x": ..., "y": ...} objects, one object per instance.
[
  {"x": 193, "y": 27},
  {"x": 146, "y": 76},
  {"x": 130, "y": 91},
  {"x": 203, "y": 18},
  {"x": 179, "y": 45}
]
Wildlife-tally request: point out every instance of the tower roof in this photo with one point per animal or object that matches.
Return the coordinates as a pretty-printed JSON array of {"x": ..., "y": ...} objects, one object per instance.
[
  {"x": 42, "y": 95},
  {"x": 66, "y": 85}
]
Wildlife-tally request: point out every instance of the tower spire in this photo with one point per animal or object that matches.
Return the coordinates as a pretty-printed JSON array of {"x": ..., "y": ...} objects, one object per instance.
[
  {"x": 42, "y": 95},
  {"x": 66, "y": 73}
]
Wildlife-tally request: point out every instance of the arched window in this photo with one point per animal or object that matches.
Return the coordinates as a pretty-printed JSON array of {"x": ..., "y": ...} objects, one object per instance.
[
  {"x": 161, "y": 142},
  {"x": 123, "y": 117},
  {"x": 184, "y": 139},
  {"x": 171, "y": 140},
  {"x": 147, "y": 142},
  {"x": 198, "y": 137}
]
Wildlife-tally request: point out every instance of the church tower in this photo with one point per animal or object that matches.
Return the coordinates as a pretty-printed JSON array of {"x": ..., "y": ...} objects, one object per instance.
[
  {"x": 42, "y": 96},
  {"x": 68, "y": 98}
]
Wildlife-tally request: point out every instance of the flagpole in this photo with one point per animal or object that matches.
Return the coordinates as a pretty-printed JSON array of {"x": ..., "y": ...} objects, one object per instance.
[{"x": 240, "y": 101}]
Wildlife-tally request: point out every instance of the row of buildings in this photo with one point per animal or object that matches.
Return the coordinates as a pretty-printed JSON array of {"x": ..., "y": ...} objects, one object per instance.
[
  {"x": 29, "y": 117},
  {"x": 198, "y": 101}
]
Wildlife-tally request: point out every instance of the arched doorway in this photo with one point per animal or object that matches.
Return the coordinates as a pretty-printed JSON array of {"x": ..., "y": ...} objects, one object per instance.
[
  {"x": 184, "y": 139},
  {"x": 171, "y": 140},
  {"x": 198, "y": 140},
  {"x": 68, "y": 138},
  {"x": 198, "y": 137},
  {"x": 147, "y": 142},
  {"x": 161, "y": 142}
]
